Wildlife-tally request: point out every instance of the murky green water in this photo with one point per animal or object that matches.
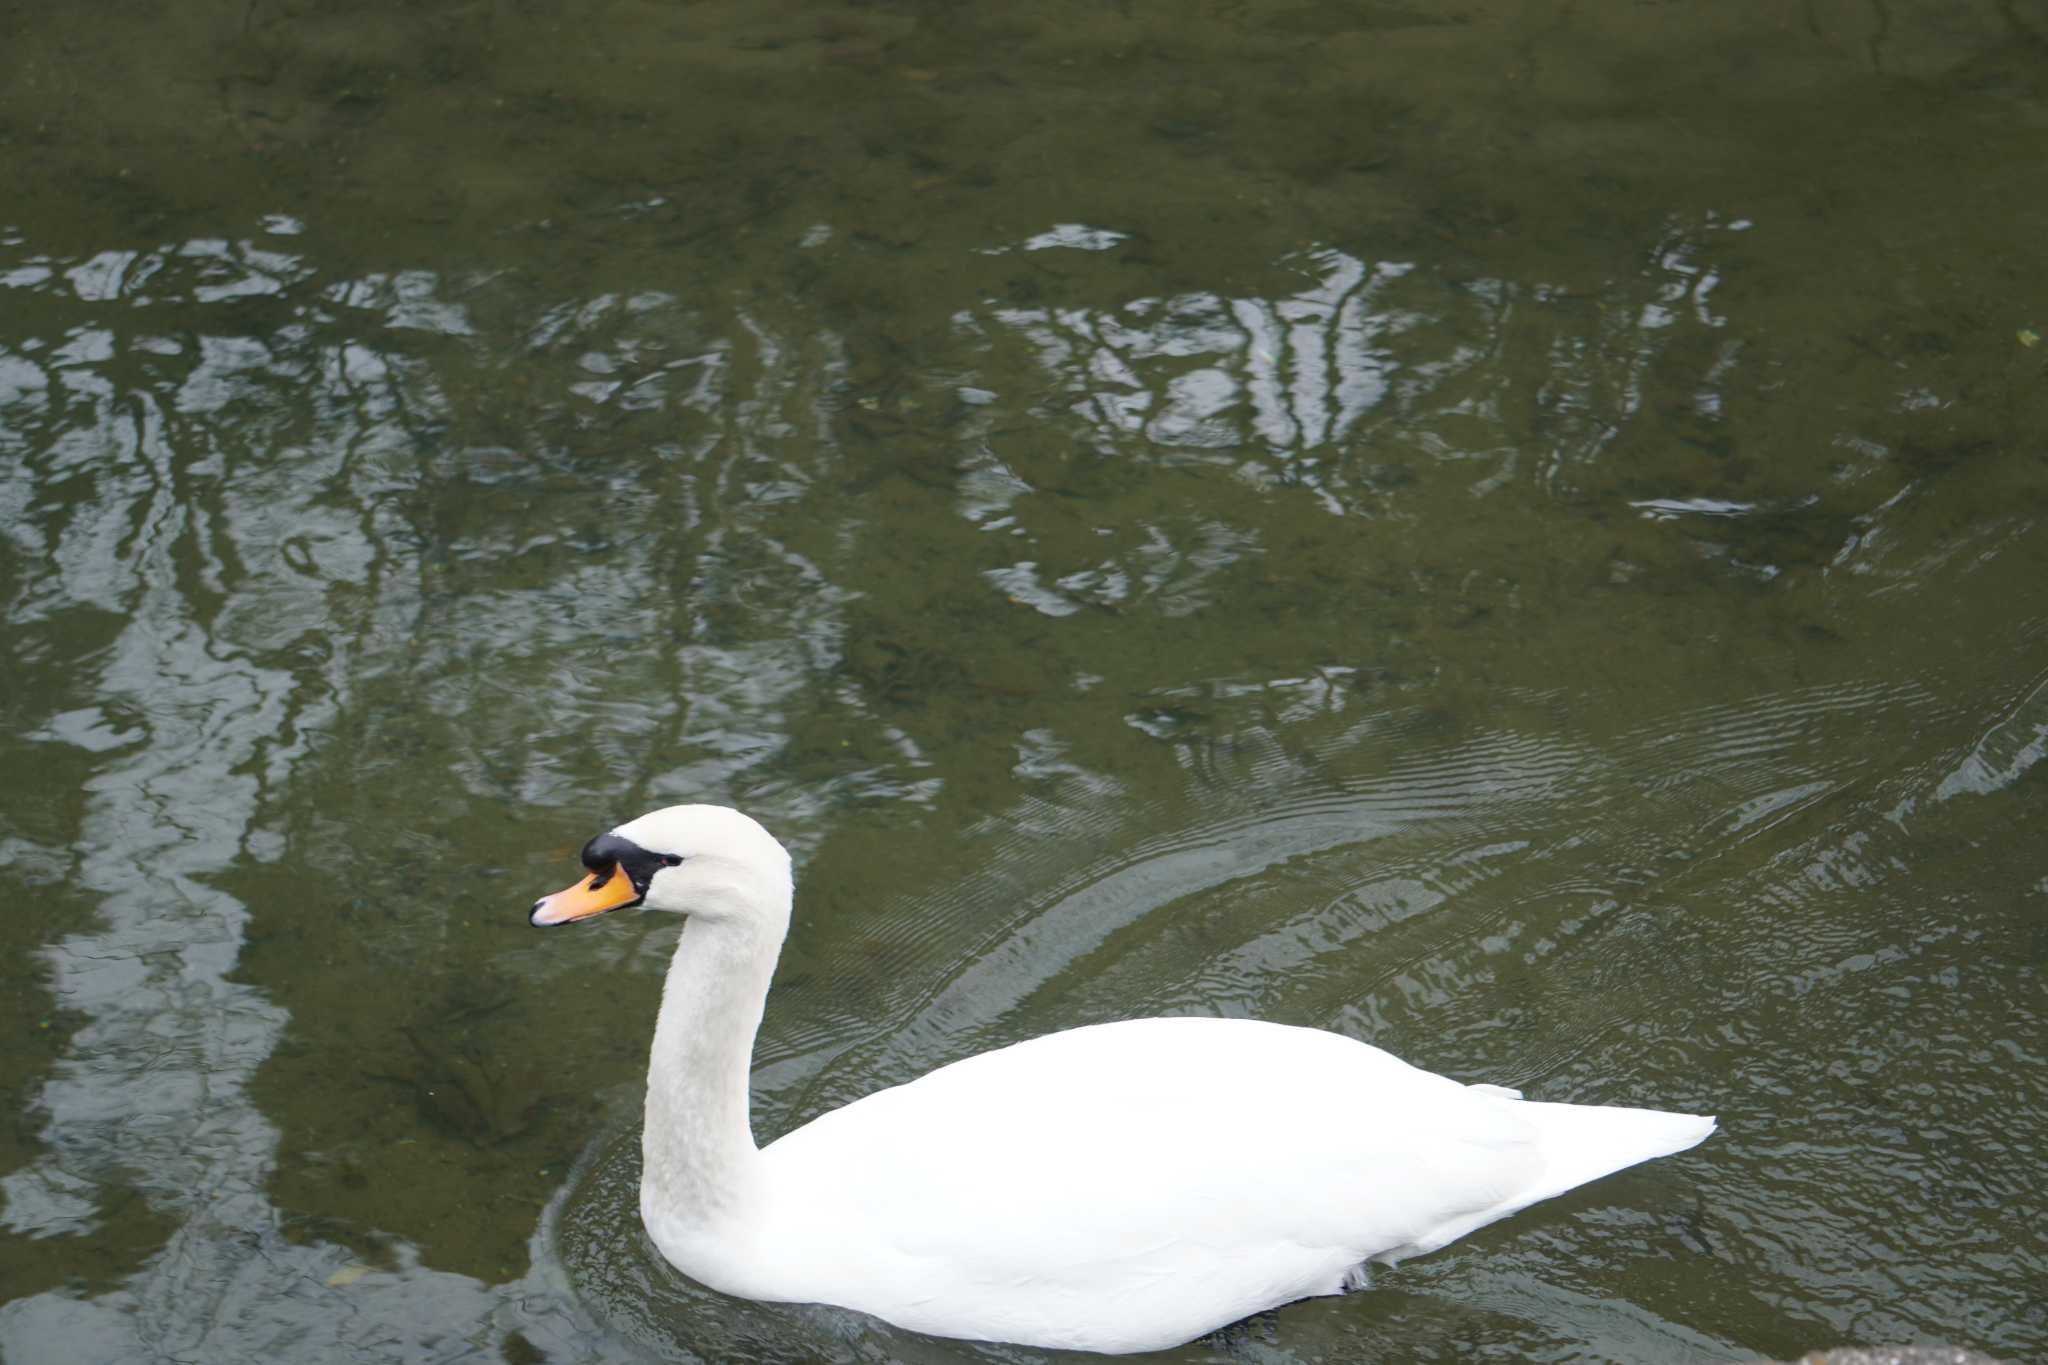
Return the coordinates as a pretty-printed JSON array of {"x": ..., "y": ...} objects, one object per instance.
[{"x": 1511, "y": 532}]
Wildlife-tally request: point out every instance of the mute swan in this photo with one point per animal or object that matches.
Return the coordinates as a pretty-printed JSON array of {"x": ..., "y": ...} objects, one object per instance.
[{"x": 1118, "y": 1187}]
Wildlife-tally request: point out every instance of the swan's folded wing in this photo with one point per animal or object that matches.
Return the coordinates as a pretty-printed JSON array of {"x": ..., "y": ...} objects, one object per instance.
[{"x": 1230, "y": 1163}]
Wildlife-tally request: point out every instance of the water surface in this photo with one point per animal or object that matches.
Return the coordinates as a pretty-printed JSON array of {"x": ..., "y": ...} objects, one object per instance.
[{"x": 1511, "y": 533}]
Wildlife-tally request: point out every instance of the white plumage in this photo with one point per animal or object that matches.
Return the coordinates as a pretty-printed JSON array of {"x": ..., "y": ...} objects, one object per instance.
[{"x": 1119, "y": 1187}]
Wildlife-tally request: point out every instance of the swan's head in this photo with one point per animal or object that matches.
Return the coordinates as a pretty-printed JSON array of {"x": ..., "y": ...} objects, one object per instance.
[{"x": 705, "y": 861}]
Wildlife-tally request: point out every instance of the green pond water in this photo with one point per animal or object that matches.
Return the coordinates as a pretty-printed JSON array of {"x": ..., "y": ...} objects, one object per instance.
[{"x": 1514, "y": 531}]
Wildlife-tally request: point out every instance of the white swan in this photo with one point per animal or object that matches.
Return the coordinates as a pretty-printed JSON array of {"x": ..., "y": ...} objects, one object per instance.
[{"x": 1119, "y": 1187}]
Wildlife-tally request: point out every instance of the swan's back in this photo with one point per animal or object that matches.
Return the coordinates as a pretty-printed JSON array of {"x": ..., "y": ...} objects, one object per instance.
[{"x": 1128, "y": 1186}]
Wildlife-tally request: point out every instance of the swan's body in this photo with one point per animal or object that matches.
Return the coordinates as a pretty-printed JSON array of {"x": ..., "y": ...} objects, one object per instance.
[{"x": 1120, "y": 1187}]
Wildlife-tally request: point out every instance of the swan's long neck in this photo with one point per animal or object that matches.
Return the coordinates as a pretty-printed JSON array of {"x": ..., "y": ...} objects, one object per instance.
[{"x": 701, "y": 1174}]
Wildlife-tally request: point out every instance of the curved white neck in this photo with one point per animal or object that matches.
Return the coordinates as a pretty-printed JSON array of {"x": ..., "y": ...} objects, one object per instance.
[{"x": 701, "y": 1169}]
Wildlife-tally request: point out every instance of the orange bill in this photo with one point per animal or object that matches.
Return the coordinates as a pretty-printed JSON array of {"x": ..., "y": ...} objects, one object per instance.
[{"x": 599, "y": 892}]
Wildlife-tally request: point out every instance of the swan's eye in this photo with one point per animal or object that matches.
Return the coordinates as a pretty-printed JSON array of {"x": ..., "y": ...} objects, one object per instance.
[{"x": 672, "y": 859}]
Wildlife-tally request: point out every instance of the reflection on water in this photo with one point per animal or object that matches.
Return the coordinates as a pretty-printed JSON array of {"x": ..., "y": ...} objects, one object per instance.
[{"x": 1602, "y": 658}]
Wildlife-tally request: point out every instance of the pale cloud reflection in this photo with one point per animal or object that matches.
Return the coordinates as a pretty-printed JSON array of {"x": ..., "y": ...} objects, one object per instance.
[
  {"x": 1286, "y": 374},
  {"x": 1362, "y": 387},
  {"x": 1168, "y": 573},
  {"x": 1371, "y": 360},
  {"x": 1076, "y": 236},
  {"x": 251, "y": 512},
  {"x": 1274, "y": 390}
]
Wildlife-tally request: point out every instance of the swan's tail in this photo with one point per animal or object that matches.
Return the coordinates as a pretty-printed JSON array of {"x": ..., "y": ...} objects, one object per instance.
[
  {"x": 1579, "y": 1143},
  {"x": 1583, "y": 1142}
]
